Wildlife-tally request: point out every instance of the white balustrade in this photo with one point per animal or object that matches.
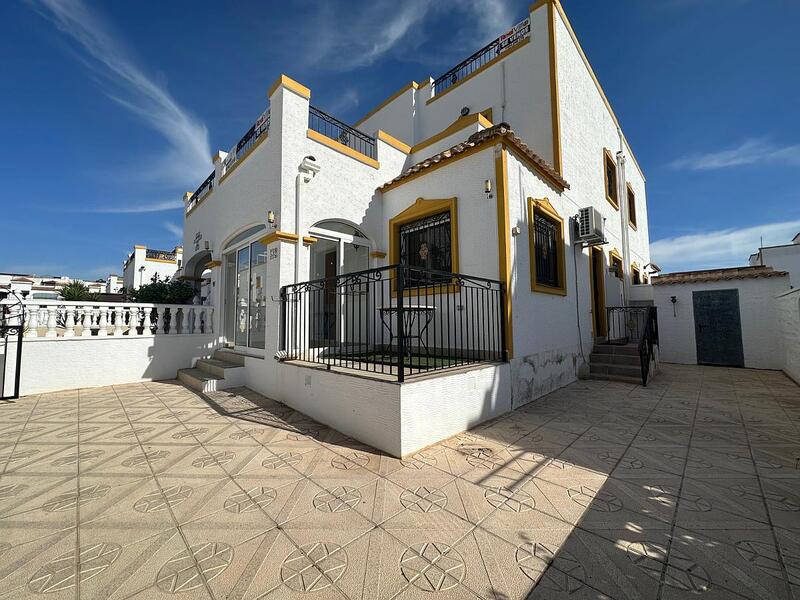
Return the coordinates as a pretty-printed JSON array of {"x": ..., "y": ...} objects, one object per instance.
[{"x": 68, "y": 319}]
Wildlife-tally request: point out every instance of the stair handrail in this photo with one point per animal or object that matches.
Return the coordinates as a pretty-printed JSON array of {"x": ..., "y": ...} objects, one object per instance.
[{"x": 648, "y": 341}]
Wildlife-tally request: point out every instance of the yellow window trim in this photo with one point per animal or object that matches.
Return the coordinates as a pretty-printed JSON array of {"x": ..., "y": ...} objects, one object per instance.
[
  {"x": 341, "y": 148},
  {"x": 544, "y": 207},
  {"x": 290, "y": 84},
  {"x": 411, "y": 86},
  {"x": 282, "y": 236},
  {"x": 606, "y": 157},
  {"x": 631, "y": 222},
  {"x": 241, "y": 159},
  {"x": 456, "y": 126},
  {"x": 504, "y": 240},
  {"x": 480, "y": 70},
  {"x": 615, "y": 256},
  {"x": 394, "y": 142},
  {"x": 423, "y": 207},
  {"x": 635, "y": 271}
]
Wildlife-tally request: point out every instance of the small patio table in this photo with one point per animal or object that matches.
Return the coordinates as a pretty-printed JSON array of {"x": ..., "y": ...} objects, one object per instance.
[{"x": 415, "y": 316}]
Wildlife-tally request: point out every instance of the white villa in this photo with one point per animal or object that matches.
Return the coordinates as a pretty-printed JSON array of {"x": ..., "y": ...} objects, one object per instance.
[
  {"x": 782, "y": 257},
  {"x": 456, "y": 253},
  {"x": 144, "y": 263}
]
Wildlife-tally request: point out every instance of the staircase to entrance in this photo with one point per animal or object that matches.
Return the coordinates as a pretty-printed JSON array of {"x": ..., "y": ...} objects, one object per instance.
[{"x": 224, "y": 370}]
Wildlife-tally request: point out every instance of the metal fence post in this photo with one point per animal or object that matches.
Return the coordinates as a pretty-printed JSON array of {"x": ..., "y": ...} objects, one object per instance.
[
  {"x": 503, "y": 333},
  {"x": 401, "y": 334}
]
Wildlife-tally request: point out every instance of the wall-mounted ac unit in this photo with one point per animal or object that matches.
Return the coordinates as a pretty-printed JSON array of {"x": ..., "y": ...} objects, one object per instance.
[{"x": 589, "y": 227}]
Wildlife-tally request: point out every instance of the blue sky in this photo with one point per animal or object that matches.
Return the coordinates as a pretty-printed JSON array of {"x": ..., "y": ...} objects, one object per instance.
[{"x": 111, "y": 110}]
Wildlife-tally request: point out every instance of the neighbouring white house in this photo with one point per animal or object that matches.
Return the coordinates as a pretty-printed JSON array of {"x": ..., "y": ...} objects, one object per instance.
[
  {"x": 784, "y": 257},
  {"x": 145, "y": 263},
  {"x": 43, "y": 287},
  {"x": 114, "y": 284},
  {"x": 456, "y": 253}
]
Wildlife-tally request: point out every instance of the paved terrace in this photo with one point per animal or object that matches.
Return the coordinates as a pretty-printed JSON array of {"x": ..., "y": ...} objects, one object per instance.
[{"x": 686, "y": 488}]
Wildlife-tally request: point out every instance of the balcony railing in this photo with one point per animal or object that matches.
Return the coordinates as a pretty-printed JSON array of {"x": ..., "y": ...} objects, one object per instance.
[
  {"x": 249, "y": 139},
  {"x": 333, "y": 128},
  {"x": 160, "y": 255},
  {"x": 201, "y": 192},
  {"x": 489, "y": 52},
  {"x": 394, "y": 321}
]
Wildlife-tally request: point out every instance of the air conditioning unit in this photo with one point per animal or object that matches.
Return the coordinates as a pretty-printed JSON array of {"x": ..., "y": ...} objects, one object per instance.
[{"x": 589, "y": 227}]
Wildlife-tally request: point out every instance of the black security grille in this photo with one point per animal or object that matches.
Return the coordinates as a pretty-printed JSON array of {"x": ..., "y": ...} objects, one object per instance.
[
  {"x": 333, "y": 128},
  {"x": 427, "y": 244},
  {"x": 545, "y": 234}
]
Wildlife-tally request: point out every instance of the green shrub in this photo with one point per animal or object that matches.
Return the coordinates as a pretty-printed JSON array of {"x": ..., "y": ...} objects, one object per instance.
[
  {"x": 77, "y": 290},
  {"x": 166, "y": 291}
]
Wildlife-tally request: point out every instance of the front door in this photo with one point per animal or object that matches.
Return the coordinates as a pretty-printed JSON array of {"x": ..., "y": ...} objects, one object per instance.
[
  {"x": 718, "y": 328},
  {"x": 597, "y": 274}
]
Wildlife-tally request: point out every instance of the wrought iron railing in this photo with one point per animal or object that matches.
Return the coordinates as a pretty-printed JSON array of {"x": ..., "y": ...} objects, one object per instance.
[
  {"x": 489, "y": 52},
  {"x": 394, "y": 321},
  {"x": 635, "y": 325},
  {"x": 648, "y": 342},
  {"x": 160, "y": 254},
  {"x": 201, "y": 192},
  {"x": 333, "y": 128},
  {"x": 249, "y": 139},
  {"x": 12, "y": 326}
]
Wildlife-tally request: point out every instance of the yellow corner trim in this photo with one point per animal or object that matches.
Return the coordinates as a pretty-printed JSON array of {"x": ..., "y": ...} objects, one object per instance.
[
  {"x": 411, "y": 86},
  {"x": 213, "y": 263},
  {"x": 242, "y": 158},
  {"x": 394, "y": 142},
  {"x": 346, "y": 150},
  {"x": 161, "y": 260},
  {"x": 279, "y": 236},
  {"x": 481, "y": 69},
  {"x": 543, "y": 206},
  {"x": 456, "y": 126},
  {"x": 504, "y": 241},
  {"x": 308, "y": 240},
  {"x": 138, "y": 247},
  {"x": 291, "y": 84},
  {"x": 187, "y": 195},
  {"x": 555, "y": 104},
  {"x": 377, "y": 254}
]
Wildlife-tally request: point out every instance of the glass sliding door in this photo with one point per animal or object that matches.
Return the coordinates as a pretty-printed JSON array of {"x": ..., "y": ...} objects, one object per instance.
[
  {"x": 230, "y": 297},
  {"x": 242, "y": 296},
  {"x": 258, "y": 296}
]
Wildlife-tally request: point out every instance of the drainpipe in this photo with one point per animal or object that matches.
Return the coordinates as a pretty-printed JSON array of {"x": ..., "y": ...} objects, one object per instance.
[
  {"x": 306, "y": 171},
  {"x": 622, "y": 194}
]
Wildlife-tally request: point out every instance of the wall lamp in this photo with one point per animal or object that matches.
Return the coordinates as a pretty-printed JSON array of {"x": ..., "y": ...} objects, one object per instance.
[
  {"x": 487, "y": 188},
  {"x": 271, "y": 219},
  {"x": 674, "y": 300}
]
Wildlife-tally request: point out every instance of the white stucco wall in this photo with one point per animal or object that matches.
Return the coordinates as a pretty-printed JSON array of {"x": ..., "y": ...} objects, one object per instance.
[
  {"x": 781, "y": 258},
  {"x": 67, "y": 363},
  {"x": 761, "y": 329},
  {"x": 788, "y": 307}
]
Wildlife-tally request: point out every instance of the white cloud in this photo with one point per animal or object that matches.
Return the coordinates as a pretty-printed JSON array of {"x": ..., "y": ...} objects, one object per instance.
[
  {"x": 750, "y": 152},
  {"x": 492, "y": 17},
  {"x": 344, "y": 101},
  {"x": 188, "y": 158},
  {"x": 174, "y": 229},
  {"x": 721, "y": 248},
  {"x": 133, "y": 208}
]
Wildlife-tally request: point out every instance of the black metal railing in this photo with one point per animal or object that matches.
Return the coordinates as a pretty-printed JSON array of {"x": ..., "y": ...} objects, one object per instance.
[
  {"x": 12, "y": 326},
  {"x": 201, "y": 192},
  {"x": 160, "y": 254},
  {"x": 486, "y": 54},
  {"x": 626, "y": 324},
  {"x": 333, "y": 128},
  {"x": 394, "y": 321},
  {"x": 648, "y": 342},
  {"x": 259, "y": 128}
]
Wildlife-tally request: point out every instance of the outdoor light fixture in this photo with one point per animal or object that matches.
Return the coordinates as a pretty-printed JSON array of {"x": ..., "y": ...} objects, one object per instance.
[
  {"x": 208, "y": 245},
  {"x": 487, "y": 188},
  {"x": 271, "y": 219},
  {"x": 674, "y": 300}
]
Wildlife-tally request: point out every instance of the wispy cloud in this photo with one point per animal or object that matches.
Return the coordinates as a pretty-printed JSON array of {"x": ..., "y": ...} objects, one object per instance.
[
  {"x": 750, "y": 152},
  {"x": 132, "y": 208},
  {"x": 174, "y": 229},
  {"x": 492, "y": 17},
  {"x": 721, "y": 248},
  {"x": 344, "y": 101},
  {"x": 188, "y": 156}
]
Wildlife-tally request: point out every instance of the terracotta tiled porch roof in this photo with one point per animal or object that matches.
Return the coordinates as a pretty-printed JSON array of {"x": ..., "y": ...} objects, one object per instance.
[{"x": 717, "y": 275}]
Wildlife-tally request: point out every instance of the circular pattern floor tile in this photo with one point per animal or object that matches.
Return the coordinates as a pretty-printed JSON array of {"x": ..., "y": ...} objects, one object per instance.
[
  {"x": 314, "y": 567},
  {"x": 59, "y": 574},
  {"x": 534, "y": 558},
  {"x": 338, "y": 499},
  {"x": 253, "y": 499},
  {"x": 162, "y": 499},
  {"x": 424, "y": 499},
  {"x": 186, "y": 570},
  {"x": 432, "y": 566},
  {"x": 510, "y": 500}
]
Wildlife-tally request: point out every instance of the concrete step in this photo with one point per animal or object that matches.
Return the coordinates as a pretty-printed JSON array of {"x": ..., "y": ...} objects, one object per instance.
[
  {"x": 229, "y": 356},
  {"x": 622, "y": 378},
  {"x": 201, "y": 380},
  {"x": 215, "y": 366},
  {"x": 599, "y": 358},
  {"x": 621, "y": 370},
  {"x": 626, "y": 349}
]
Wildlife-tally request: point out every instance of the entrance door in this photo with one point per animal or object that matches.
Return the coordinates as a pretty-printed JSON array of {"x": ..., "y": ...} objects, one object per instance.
[
  {"x": 245, "y": 297},
  {"x": 597, "y": 274},
  {"x": 718, "y": 328}
]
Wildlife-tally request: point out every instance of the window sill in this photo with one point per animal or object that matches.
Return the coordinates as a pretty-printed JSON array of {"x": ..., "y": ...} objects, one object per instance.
[
  {"x": 633, "y": 226},
  {"x": 612, "y": 202},
  {"x": 547, "y": 289}
]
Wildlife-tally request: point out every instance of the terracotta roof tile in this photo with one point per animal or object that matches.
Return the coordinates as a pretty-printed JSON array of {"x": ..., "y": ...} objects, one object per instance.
[
  {"x": 716, "y": 275},
  {"x": 501, "y": 130}
]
